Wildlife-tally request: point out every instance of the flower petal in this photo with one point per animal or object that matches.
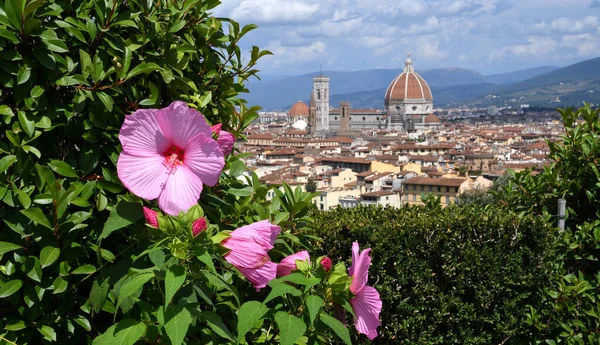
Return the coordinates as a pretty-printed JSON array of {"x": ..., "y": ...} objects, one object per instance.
[
  {"x": 260, "y": 277},
  {"x": 226, "y": 141},
  {"x": 263, "y": 233},
  {"x": 288, "y": 264},
  {"x": 367, "y": 307},
  {"x": 182, "y": 191},
  {"x": 204, "y": 158},
  {"x": 245, "y": 254},
  {"x": 140, "y": 135},
  {"x": 359, "y": 269},
  {"x": 143, "y": 176},
  {"x": 355, "y": 251},
  {"x": 180, "y": 123}
]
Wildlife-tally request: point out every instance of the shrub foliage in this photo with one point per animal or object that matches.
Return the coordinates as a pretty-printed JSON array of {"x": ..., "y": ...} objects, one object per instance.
[
  {"x": 458, "y": 275},
  {"x": 77, "y": 263}
]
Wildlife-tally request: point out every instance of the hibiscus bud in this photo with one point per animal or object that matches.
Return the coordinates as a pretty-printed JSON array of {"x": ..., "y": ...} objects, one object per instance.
[
  {"x": 326, "y": 263},
  {"x": 216, "y": 129},
  {"x": 198, "y": 226},
  {"x": 151, "y": 217}
]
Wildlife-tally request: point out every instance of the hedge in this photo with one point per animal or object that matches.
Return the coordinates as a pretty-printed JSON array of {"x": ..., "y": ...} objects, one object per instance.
[{"x": 458, "y": 275}]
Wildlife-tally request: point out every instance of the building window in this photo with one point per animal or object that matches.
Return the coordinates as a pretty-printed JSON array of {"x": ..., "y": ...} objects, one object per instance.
[
  {"x": 431, "y": 188},
  {"x": 422, "y": 188},
  {"x": 321, "y": 198},
  {"x": 322, "y": 207},
  {"x": 387, "y": 198},
  {"x": 414, "y": 197},
  {"x": 364, "y": 118},
  {"x": 335, "y": 118},
  {"x": 414, "y": 108},
  {"x": 406, "y": 197},
  {"x": 447, "y": 189},
  {"x": 319, "y": 94},
  {"x": 439, "y": 189},
  {"x": 447, "y": 200}
]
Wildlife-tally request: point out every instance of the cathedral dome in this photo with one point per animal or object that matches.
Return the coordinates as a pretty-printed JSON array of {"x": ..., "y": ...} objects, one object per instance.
[
  {"x": 408, "y": 86},
  {"x": 299, "y": 109},
  {"x": 431, "y": 118}
]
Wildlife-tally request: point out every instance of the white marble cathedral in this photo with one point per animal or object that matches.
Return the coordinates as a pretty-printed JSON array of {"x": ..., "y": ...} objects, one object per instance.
[{"x": 408, "y": 107}]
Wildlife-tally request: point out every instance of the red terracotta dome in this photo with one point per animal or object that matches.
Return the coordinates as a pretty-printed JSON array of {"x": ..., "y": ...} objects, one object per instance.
[
  {"x": 431, "y": 118},
  {"x": 408, "y": 86},
  {"x": 299, "y": 109}
]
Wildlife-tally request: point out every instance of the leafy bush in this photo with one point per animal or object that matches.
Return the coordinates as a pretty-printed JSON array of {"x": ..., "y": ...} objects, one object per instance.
[
  {"x": 77, "y": 262},
  {"x": 570, "y": 310},
  {"x": 457, "y": 275}
]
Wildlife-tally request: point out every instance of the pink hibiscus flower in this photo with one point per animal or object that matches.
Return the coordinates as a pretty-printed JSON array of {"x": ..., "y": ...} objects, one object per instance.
[
  {"x": 288, "y": 264},
  {"x": 168, "y": 154},
  {"x": 366, "y": 302},
  {"x": 248, "y": 252},
  {"x": 224, "y": 138}
]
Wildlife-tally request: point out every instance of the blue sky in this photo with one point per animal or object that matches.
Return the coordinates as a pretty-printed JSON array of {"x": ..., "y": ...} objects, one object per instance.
[{"x": 489, "y": 36}]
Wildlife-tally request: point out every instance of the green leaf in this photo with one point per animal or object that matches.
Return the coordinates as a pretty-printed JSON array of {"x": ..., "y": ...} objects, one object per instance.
[
  {"x": 143, "y": 68},
  {"x": 106, "y": 100},
  {"x": 291, "y": 328},
  {"x": 85, "y": 269},
  {"x": 33, "y": 269},
  {"x": 124, "y": 214},
  {"x": 27, "y": 125},
  {"x": 6, "y": 162},
  {"x": 10, "y": 287},
  {"x": 48, "y": 333},
  {"x": 174, "y": 278},
  {"x": 23, "y": 75},
  {"x": 86, "y": 63},
  {"x": 337, "y": 327},
  {"x": 48, "y": 256},
  {"x": 237, "y": 168},
  {"x": 132, "y": 285},
  {"x": 280, "y": 289},
  {"x": 37, "y": 216},
  {"x": 71, "y": 80},
  {"x": 178, "y": 25},
  {"x": 15, "y": 325},
  {"x": 125, "y": 332},
  {"x": 62, "y": 168},
  {"x": 249, "y": 315},
  {"x": 98, "y": 294},
  {"x": 6, "y": 247},
  {"x": 217, "y": 325},
  {"x": 177, "y": 321},
  {"x": 60, "y": 285},
  {"x": 14, "y": 12},
  {"x": 83, "y": 322},
  {"x": 313, "y": 304}
]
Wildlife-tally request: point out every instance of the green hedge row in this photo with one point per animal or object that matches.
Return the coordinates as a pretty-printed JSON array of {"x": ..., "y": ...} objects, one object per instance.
[{"x": 459, "y": 275}]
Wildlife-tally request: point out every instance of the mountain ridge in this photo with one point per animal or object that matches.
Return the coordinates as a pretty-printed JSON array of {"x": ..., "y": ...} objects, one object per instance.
[{"x": 276, "y": 93}]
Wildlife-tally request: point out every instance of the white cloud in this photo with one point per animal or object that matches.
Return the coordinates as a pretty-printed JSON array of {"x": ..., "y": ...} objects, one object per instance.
[
  {"x": 571, "y": 25},
  {"x": 283, "y": 54},
  {"x": 535, "y": 46},
  {"x": 281, "y": 12}
]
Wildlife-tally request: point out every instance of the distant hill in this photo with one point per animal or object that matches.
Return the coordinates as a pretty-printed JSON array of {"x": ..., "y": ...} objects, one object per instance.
[
  {"x": 570, "y": 85},
  {"x": 282, "y": 93},
  {"x": 585, "y": 70},
  {"x": 279, "y": 93},
  {"x": 517, "y": 76}
]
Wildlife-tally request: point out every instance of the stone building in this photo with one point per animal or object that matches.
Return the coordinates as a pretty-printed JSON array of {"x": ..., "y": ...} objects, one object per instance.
[{"x": 408, "y": 107}]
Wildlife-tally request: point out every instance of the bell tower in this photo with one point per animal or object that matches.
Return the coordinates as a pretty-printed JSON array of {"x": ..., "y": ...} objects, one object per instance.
[{"x": 321, "y": 97}]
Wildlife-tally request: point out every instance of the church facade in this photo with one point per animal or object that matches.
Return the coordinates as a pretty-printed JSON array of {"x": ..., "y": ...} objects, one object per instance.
[{"x": 408, "y": 108}]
